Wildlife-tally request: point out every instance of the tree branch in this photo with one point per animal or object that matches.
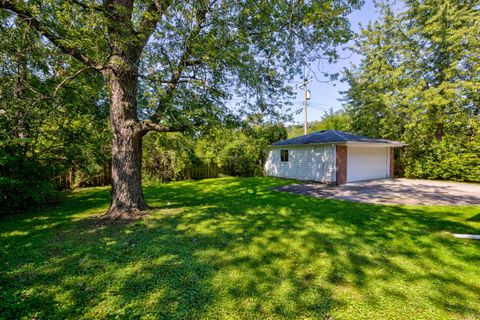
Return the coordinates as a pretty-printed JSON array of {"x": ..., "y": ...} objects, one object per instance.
[
  {"x": 182, "y": 64},
  {"x": 76, "y": 74},
  {"x": 90, "y": 6},
  {"x": 49, "y": 34},
  {"x": 189, "y": 80},
  {"x": 150, "y": 126},
  {"x": 148, "y": 23}
]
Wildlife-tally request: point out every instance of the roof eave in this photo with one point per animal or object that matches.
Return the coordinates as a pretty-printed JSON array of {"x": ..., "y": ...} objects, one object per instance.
[
  {"x": 305, "y": 144},
  {"x": 394, "y": 144},
  {"x": 379, "y": 144}
]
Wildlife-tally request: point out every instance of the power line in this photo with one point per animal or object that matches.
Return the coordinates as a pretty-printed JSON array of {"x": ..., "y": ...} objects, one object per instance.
[{"x": 320, "y": 104}]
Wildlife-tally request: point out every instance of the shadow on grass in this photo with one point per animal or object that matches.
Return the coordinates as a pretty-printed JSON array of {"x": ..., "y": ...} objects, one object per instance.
[
  {"x": 475, "y": 218},
  {"x": 232, "y": 248}
]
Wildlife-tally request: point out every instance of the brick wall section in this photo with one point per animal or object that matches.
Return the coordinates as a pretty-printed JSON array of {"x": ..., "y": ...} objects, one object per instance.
[
  {"x": 392, "y": 160},
  {"x": 341, "y": 164}
]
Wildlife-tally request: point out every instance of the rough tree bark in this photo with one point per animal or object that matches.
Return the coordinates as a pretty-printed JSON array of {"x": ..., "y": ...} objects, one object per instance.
[{"x": 127, "y": 195}]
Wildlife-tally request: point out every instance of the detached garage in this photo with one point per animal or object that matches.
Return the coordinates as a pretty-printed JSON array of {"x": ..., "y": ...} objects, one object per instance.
[{"x": 331, "y": 156}]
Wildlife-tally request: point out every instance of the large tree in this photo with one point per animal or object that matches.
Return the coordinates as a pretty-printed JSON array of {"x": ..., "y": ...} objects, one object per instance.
[{"x": 187, "y": 58}]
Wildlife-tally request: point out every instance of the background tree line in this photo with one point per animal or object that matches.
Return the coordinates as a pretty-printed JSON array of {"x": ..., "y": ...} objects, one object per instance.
[
  {"x": 331, "y": 120},
  {"x": 46, "y": 127},
  {"x": 233, "y": 151}
]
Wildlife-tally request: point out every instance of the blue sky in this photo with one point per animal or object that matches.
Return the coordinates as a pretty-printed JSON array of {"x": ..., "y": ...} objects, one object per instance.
[{"x": 325, "y": 95}]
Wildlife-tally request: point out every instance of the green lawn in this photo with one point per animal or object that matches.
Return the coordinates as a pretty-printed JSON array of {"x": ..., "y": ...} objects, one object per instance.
[{"x": 233, "y": 249}]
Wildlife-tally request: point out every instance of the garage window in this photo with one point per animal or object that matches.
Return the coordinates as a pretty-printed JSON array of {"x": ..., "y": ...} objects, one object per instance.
[{"x": 284, "y": 155}]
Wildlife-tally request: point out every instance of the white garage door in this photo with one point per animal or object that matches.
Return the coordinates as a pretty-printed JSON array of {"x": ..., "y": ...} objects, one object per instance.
[{"x": 364, "y": 163}]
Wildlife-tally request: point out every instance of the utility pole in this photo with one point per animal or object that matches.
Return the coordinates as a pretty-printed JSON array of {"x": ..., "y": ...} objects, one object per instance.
[
  {"x": 305, "y": 105},
  {"x": 306, "y": 97}
]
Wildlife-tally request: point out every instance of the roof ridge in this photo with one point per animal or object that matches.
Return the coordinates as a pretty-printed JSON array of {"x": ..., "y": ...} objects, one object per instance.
[
  {"x": 340, "y": 134},
  {"x": 332, "y": 136}
]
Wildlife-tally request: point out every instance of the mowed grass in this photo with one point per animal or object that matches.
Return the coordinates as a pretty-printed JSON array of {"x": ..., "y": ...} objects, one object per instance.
[{"x": 233, "y": 249}]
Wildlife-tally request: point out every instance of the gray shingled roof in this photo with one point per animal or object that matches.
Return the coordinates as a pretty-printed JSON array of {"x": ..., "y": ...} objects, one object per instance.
[{"x": 331, "y": 136}]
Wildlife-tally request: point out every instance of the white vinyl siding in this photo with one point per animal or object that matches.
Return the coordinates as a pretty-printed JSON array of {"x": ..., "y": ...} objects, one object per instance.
[
  {"x": 315, "y": 163},
  {"x": 365, "y": 163}
]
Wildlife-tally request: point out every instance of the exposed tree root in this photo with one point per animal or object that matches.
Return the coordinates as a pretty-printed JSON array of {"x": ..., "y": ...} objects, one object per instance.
[{"x": 123, "y": 215}]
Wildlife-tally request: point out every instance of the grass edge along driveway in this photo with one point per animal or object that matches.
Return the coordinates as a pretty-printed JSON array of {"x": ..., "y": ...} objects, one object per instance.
[{"x": 234, "y": 249}]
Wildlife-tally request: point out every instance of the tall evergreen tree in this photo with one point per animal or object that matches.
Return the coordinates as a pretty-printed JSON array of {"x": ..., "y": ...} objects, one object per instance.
[{"x": 419, "y": 81}]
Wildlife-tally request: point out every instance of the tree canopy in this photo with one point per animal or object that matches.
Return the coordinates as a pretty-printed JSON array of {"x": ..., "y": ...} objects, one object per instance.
[
  {"x": 193, "y": 56},
  {"x": 331, "y": 120}
]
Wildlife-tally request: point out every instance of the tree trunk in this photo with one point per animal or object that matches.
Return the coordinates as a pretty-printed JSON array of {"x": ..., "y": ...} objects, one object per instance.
[{"x": 127, "y": 196}]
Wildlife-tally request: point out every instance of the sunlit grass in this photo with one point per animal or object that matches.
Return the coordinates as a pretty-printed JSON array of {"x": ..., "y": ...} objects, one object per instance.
[{"x": 233, "y": 248}]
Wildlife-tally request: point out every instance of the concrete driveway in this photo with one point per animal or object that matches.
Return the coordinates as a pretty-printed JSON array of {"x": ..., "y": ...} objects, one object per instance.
[{"x": 394, "y": 191}]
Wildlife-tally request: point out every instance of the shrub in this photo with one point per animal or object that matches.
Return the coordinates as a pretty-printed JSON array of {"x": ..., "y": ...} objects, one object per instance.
[
  {"x": 447, "y": 161},
  {"x": 24, "y": 181},
  {"x": 165, "y": 156}
]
